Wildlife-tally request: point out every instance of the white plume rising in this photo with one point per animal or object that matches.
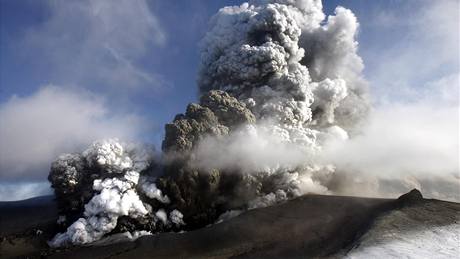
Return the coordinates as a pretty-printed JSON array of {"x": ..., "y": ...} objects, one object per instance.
[{"x": 116, "y": 193}]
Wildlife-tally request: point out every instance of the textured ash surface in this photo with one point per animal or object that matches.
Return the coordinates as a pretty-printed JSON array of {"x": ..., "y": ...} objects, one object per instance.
[{"x": 312, "y": 226}]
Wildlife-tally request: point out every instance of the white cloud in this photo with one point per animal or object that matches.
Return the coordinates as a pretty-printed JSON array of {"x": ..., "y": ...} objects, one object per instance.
[
  {"x": 98, "y": 43},
  {"x": 412, "y": 137},
  {"x": 416, "y": 138},
  {"x": 405, "y": 145},
  {"x": 36, "y": 128},
  {"x": 415, "y": 43}
]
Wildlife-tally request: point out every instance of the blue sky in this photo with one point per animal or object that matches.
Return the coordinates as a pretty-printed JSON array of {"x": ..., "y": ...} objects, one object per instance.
[
  {"x": 25, "y": 69},
  {"x": 135, "y": 67}
]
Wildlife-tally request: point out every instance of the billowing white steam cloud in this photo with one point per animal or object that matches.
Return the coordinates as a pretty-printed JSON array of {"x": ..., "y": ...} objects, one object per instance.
[{"x": 116, "y": 173}]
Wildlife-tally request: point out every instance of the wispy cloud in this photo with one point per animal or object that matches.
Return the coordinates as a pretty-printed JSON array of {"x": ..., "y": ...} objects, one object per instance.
[
  {"x": 411, "y": 140},
  {"x": 414, "y": 143},
  {"x": 39, "y": 127},
  {"x": 98, "y": 44},
  {"x": 411, "y": 45}
]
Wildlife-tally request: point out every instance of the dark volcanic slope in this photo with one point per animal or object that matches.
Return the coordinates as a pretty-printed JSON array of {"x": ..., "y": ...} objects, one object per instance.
[
  {"x": 18, "y": 216},
  {"x": 25, "y": 226},
  {"x": 309, "y": 226}
]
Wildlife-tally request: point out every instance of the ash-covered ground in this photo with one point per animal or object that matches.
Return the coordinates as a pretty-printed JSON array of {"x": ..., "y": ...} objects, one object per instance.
[{"x": 312, "y": 226}]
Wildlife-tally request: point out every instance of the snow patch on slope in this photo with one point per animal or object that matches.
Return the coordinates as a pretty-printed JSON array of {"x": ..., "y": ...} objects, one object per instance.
[{"x": 433, "y": 242}]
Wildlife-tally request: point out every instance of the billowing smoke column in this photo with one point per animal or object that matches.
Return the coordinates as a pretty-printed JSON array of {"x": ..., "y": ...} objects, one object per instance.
[
  {"x": 276, "y": 81},
  {"x": 106, "y": 188},
  {"x": 280, "y": 61}
]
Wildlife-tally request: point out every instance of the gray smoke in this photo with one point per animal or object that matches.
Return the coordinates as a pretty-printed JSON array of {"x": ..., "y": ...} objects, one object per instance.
[
  {"x": 286, "y": 63},
  {"x": 299, "y": 75},
  {"x": 276, "y": 81},
  {"x": 280, "y": 88},
  {"x": 253, "y": 142}
]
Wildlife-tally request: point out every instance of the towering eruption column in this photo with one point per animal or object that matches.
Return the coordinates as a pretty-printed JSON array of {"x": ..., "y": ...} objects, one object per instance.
[
  {"x": 296, "y": 80},
  {"x": 279, "y": 60},
  {"x": 276, "y": 81}
]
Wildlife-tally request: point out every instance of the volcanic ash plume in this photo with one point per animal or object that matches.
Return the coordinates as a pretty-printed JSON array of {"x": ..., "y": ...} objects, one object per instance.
[
  {"x": 103, "y": 186},
  {"x": 276, "y": 82},
  {"x": 283, "y": 64}
]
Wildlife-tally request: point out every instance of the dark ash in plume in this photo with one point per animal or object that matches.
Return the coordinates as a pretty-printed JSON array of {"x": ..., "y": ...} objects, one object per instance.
[
  {"x": 216, "y": 115},
  {"x": 276, "y": 83}
]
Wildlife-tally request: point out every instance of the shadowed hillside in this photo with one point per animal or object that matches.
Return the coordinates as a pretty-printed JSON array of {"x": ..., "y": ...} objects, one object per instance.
[{"x": 311, "y": 225}]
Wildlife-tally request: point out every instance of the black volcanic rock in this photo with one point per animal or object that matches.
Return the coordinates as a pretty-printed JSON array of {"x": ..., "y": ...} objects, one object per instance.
[{"x": 412, "y": 197}]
